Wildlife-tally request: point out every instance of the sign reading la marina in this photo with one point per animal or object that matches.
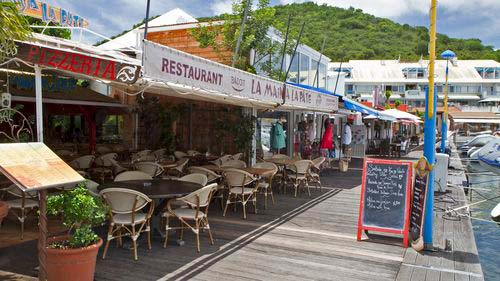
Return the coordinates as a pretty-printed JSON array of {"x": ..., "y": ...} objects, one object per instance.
[{"x": 169, "y": 65}]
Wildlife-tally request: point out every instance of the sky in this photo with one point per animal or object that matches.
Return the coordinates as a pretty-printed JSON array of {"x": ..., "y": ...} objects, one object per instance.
[{"x": 456, "y": 18}]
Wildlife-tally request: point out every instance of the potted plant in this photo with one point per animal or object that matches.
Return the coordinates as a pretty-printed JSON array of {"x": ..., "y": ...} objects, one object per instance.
[{"x": 73, "y": 256}]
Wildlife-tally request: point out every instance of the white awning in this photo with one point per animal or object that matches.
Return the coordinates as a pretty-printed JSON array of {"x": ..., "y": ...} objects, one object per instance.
[
  {"x": 395, "y": 97},
  {"x": 476, "y": 121},
  {"x": 497, "y": 99}
]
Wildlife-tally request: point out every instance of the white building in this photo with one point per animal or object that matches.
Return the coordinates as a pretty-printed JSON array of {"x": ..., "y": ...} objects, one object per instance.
[{"x": 474, "y": 85}]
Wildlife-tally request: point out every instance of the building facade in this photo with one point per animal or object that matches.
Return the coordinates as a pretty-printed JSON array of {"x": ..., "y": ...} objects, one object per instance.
[{"x": 474, "y": 85}]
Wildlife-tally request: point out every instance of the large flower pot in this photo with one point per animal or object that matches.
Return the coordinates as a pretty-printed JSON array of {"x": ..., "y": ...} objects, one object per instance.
[{"x": 71, "y": 264}]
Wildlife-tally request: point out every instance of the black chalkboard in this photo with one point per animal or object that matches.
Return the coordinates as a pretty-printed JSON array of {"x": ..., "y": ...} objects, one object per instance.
[
  {"x": 417, "y": 203},
  {"x": 385, "y": 195}
]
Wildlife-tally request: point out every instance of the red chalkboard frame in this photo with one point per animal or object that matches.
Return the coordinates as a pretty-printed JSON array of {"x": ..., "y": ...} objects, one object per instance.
[{"x": 409, "y": 181}]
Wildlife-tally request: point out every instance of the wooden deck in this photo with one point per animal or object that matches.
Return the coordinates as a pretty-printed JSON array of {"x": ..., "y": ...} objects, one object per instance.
[
  {"x": 462, "y": 263},
  {"x": 297, "y": 239}
]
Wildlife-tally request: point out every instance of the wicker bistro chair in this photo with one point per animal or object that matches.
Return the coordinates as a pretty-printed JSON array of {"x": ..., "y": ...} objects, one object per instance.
[
  {"x": 242, "y": 189},
  {"x": 212, "y": 177},
  {"x": 315, "y": 170},
  {"x": 265, "y": 183},
  {"x": 195, "y": 178},
  {"x": 159, "y": 153},
  {"x": 83, "y": 163},
  {"x": 23, "y": 204},
  {"x": 92, "y": 187},
  {"x": 180, "y": 168},
  {"x": 126, "y": 218},
  {"x": 238, "y": 164},
  {"x": 223, "y": 159},
  {"x": 104, "y": 166},
  {"x": 179, "y": 155},
  {"x": 132, "y": 175},
  {"x": 197, "y": 212},
  {"x": 237, "y": 156},
  {"x": 192, "y": 153},
  {"x": 299, "y": 174},
  {"x": 280, "y": 156},
  {"x": 151, "y": 168},
  {"x": 140, "y": 155}
]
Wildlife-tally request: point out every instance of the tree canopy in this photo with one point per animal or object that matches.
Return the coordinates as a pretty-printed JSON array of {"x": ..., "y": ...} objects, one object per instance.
[{"x": 353, "y": 34}]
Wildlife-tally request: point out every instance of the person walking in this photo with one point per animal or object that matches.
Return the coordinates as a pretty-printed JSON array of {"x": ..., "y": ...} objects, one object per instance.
[
  {"x": 326, "y": 144},
  {"x": 347, "y": 137}
]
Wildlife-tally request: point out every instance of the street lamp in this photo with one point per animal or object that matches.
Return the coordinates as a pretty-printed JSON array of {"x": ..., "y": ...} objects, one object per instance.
[{"x": 447, "y": 55}]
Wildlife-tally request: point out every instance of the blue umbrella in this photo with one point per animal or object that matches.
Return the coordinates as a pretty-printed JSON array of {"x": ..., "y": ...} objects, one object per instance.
[{"x": 448, "y": 54}]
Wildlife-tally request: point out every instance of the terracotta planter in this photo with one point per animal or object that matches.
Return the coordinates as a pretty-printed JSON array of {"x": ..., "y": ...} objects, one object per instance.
[
  {"x": 4, "y": 210},
  {"x": 71, "y": 264}
]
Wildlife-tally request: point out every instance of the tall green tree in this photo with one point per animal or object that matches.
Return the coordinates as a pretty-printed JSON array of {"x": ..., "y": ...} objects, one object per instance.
[
  {"x": 13, "y": 26},
  {"x": 224, "y": 37}
]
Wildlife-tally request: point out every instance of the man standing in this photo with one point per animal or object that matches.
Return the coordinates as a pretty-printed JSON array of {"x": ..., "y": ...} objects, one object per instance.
[{"x": 347, "y": 137}]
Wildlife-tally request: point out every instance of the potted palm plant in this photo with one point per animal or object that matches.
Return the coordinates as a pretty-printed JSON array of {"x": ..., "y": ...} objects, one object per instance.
[{"x": 73, "y": 256}]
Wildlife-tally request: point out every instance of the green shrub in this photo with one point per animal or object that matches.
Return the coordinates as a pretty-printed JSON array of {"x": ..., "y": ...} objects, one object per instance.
[{"x": 80, "y": 211}]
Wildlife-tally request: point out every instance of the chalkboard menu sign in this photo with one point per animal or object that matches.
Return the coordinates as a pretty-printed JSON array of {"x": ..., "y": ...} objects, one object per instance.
[
  {"x": 418, "y": 204},
  {"x": 385, "y": 197}
]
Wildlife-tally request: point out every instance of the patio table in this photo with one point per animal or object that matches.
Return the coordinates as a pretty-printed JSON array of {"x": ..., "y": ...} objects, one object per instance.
[
  {"x": 156, "y": 188},
  {"x": 254, "y": 171},
  {"x": 161, "y": 189}
]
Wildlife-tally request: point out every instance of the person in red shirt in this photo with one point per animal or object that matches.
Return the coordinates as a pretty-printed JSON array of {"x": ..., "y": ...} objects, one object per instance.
[{"x": 326, "y": 144}]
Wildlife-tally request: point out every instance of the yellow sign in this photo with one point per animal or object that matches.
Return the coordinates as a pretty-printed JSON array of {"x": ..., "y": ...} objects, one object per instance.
[
  {"x": 47, "y": 13},
  {"x": 33, "y": 166}
]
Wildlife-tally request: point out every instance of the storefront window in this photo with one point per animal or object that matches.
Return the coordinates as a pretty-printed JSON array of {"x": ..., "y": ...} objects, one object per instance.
[
  {"x": 293, "y": 75},
  {"x": 304, "y": 70},
  {"x": 322, "y": 76},
  {"x": 111, "y": 129},
  {"x": 313, "y": 78}
]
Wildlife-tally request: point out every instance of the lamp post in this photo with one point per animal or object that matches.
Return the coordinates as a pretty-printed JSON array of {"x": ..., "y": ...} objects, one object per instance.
[{"x": 448, "y": 55}]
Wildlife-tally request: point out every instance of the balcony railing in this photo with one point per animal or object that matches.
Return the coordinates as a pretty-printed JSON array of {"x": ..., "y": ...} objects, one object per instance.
[{"x": 476, "y": 108}]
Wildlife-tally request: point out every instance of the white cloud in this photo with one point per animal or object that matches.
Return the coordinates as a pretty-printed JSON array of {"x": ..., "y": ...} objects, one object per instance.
[{"x": 222, "y": 7}]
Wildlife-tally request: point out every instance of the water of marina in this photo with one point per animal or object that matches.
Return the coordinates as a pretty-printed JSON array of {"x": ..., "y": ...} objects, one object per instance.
[{"x": 487, "y": 234}]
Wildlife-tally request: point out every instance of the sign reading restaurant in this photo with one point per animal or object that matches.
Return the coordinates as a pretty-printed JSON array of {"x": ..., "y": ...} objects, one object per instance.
[
  {"x": 79, "y": 63},
  {"x": 166, "y": 64}
]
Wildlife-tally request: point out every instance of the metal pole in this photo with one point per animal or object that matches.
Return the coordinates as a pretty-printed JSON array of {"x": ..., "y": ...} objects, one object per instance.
[
  {"x": 430, "y": 131},
  {"x": 42, "y": 255},
  {"x": 240, "y": 37},
  {"x": 338, "y": 75},
  {"x": 147, "y": 19},
  {"x": 444, "y": 123},
  {"x": 319, "y": 62},
  {"x": 38, "y": 103},
  {"x": 284, "y": 45},
  {"x": 42, "y": 273},
  {"x": 294, "y": 51}
]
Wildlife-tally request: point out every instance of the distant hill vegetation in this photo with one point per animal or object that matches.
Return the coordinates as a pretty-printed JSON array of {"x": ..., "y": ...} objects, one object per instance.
[{"x": 352, "y": 34}]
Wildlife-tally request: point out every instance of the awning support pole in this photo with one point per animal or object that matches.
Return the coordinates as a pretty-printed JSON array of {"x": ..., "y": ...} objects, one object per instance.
[
  {"x": 430, "y": 131},
  {"x": 42, "y": 273}
]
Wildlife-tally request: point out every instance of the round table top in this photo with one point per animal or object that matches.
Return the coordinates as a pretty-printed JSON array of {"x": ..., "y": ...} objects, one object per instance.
[{"x": 157, "y": 188}]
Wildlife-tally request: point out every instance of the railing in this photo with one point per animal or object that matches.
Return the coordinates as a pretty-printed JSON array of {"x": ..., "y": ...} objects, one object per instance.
[{"x": 475, "y": 108}]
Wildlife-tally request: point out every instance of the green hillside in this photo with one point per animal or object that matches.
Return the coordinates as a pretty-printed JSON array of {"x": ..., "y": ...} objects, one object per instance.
[{"x": 352, "y": 34}]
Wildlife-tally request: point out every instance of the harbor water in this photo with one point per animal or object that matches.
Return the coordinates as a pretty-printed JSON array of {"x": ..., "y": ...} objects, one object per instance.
[{"x": 487, "y": 233}]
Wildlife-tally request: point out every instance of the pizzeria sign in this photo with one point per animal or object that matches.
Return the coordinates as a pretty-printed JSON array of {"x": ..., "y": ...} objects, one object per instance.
[{"x": 80, "y": 63}]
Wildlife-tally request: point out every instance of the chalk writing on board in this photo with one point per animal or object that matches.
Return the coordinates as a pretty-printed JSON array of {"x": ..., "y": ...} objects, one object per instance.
[
  {"x": 418, "y": 201},
  {"x": 385, "y": 195}
]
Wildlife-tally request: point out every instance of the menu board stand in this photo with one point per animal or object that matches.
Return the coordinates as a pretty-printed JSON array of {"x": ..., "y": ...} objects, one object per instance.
[
  {"x": 34, "y": 167},
  {"x": 385, "y": 197},
  {"x": 419, "y": 196}
]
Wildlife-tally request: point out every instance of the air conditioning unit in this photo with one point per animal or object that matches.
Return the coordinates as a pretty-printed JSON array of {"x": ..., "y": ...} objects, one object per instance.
[
  {"x": 441, "y": 172},
  {"x": 5, "y": 100}
]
